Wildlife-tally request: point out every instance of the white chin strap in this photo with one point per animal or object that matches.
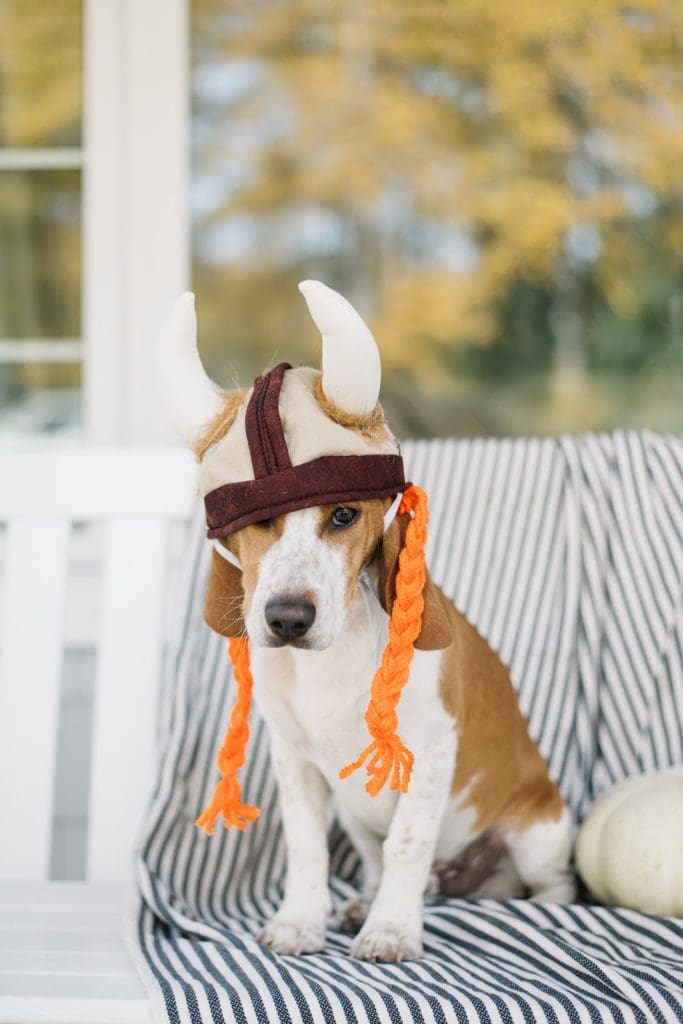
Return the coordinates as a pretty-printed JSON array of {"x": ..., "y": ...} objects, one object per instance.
[
  {"x": 391, "y": 512},
  {"x": 389, "y": 517},
  {"x": 226, "y": 554}
]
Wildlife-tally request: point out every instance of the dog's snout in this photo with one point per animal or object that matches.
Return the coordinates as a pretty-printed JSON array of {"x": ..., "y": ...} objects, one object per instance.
[{"x": 290, "y": 620}]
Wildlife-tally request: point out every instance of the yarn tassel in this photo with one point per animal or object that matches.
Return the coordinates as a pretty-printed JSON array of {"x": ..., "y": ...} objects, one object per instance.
[
  {"x": 227, "y": 796},
  {"x": 389, "y": 757}
]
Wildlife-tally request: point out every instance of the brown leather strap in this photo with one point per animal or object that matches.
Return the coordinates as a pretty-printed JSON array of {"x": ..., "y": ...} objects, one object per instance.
[
  {"x": 323, "y": 481},
  {"x": 266, "y": 438}
]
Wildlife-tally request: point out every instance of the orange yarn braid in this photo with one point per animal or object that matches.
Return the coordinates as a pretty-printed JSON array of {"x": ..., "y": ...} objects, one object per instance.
[
  {"x": 227, "y": 796},
  {"x": 389, "y": 755}
]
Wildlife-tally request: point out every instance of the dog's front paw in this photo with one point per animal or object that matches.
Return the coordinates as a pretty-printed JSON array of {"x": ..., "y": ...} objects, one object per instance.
[
  {"x": 293, "y": 936},
  {"x": 387, "y": 942}
]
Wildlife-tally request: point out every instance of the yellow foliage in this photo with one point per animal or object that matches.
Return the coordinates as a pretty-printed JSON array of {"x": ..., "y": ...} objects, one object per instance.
[
  {"x": 419, "y": 309},
  {"x": 40, "y": 72},
  {"x": 509, "y": 124}
]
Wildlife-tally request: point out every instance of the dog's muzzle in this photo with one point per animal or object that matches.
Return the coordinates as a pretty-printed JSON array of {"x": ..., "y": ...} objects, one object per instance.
[{"x": 289, "y": 621}]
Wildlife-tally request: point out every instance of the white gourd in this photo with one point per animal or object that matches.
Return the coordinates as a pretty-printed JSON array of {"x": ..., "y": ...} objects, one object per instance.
[{"x": 629, "y": 850}]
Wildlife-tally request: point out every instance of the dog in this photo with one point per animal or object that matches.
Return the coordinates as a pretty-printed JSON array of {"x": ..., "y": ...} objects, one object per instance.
[{"x": 312, "y": 584}]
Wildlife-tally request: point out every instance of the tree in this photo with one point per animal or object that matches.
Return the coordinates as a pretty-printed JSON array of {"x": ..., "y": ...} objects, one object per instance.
[{"x": 464, "y": 153}]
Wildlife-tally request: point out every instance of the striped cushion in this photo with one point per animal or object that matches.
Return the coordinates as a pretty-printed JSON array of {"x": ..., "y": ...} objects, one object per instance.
[{"x": 567, "y": 555}]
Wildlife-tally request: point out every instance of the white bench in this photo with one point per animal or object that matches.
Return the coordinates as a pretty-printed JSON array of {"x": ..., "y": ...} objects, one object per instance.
[{"x": 62, "y": 952}]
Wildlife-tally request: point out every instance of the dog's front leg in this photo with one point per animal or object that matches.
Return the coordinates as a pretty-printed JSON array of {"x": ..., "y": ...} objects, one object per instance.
[
  {"x": 299, "y": 925},
  {"x": 393, "y": 928}
]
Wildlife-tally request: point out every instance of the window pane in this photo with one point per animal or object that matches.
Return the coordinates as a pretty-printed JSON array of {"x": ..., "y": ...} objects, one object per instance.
[
  {"x": 504, "y": 206},
  {"x": 39, "y": 399},
  {"x": 40, "y": 254},
  {"x": 40, "y": 73}
]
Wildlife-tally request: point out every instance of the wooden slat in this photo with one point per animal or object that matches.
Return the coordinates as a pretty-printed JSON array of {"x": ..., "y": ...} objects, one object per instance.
[
  {"x": 62, "y": 999},
  {"x": 28, "y": 939},
  {"x": 94, "y": 1006},
  {"x": 86, "y": 963},
  {"x": 56, "y": 897},
  {"x": 98, "y": 483},
  {"x": 126, "y": 693},
  {"x": 63, "y": 956},
  {"x": 30, "y": 671},
  {"x": 31, "y": 917}
]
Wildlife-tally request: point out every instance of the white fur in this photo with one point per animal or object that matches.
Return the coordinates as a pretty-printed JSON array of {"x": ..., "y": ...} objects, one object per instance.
[
  {"x": 541, "y": 856},
  {"x": 352, "y": 371}
]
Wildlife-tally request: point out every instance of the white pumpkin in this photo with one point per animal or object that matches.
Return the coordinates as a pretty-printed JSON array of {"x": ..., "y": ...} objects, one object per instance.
[{"x": 629, "y": 850}]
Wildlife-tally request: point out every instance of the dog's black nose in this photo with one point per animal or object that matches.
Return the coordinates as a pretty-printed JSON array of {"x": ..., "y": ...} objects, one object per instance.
[{"x": 290, "y": 620}]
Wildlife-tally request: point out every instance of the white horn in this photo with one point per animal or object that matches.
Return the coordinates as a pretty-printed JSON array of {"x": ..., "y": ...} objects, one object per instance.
[
  {"x": 191, "y": 397},
  {"x": 351, "y": 366}
]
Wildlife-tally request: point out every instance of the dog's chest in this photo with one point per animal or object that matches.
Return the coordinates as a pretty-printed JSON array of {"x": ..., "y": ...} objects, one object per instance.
[
  {"x": 315, "y": 702},
  {"x": 322, "y": 712}
]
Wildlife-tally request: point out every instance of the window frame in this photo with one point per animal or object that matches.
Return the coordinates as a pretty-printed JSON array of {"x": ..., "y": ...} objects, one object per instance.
[
  {"x": 134, "y": 211},
  {"x": 136, "y": 254},
  {"x": 15, "y": 351}
]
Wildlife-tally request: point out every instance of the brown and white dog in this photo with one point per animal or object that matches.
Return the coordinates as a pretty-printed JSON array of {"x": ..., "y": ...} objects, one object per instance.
[{"x": 313, "y": 589}]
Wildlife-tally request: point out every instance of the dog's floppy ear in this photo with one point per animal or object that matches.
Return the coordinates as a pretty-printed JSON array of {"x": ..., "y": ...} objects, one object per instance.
[
  {"x": 224, "y": 597},
  {"x": 436, "y": 632}
]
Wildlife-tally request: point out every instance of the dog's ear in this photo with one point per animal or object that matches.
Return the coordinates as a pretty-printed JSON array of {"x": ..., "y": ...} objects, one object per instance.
[
  {"x": 223, "y": 609},
  {"x": 436, "y": 632}
]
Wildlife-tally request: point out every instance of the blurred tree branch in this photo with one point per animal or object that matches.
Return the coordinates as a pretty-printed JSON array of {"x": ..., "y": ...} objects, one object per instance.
[{"x": 473, "y": 146}]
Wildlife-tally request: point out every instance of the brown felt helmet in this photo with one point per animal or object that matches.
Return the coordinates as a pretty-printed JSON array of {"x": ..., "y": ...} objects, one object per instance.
[{"x": 298, "y": 437}]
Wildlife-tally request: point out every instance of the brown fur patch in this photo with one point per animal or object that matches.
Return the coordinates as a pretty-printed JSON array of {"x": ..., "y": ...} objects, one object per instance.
[
  {"x": 359, "y": 542},
  {"x": 498, "y": 766},
  {"x": 371, "y": 425},
  {"x": 220, "y": 424},
  {"x": 223, "y": 604},
  {"x": 250, "y": 544},
  {"x": 229, "y": 593}
]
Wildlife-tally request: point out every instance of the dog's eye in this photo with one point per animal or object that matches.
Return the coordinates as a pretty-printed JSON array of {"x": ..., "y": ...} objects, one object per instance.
[
  {"x": 264, "y": 523},
  {"x": 343, "y": 517}
]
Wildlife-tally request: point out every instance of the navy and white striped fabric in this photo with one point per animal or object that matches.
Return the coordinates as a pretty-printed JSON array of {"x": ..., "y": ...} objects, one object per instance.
[{"x": 568, "y": 556}]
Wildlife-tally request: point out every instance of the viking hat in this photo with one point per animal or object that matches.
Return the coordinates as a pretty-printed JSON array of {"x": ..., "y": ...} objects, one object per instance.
[
  {"x": 278, "y": 486},
  {"x": 297, "y": 439}
]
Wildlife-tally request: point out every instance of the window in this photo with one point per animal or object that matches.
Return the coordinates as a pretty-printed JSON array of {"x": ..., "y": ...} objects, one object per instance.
[
  {"x": 93, "y": 213},
  {"x": 40, "y": 218},
  {"x": 500, "y": 196}
]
